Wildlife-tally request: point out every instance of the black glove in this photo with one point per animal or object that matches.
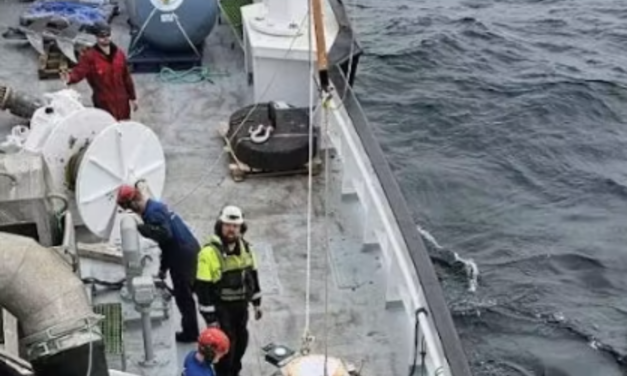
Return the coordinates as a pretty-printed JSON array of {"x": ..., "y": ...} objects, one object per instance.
[
  {"x": 258, "y": 313},
  {"x": 211, "y": 319},
  {"x": 144, "y": 230},
  {"x": 152, "y": 232},
  {"x": 162, "y": 274}
]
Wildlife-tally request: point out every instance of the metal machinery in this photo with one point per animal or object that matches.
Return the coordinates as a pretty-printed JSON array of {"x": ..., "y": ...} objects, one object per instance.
[
  {"x": 72, "y": 160},
  {"x": 167, "y": 32},
  {"x": 173, "y": 25},
  {"x": 81, "y": 156},
  {"x": 18, "y": 103}
]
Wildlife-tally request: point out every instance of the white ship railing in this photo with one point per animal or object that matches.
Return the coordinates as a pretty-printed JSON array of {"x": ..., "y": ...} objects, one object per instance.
[{"x": 382, "y": 227}]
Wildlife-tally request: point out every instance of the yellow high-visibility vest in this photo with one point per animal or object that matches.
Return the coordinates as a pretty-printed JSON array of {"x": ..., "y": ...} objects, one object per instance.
[{"x": 215, "y": 266}]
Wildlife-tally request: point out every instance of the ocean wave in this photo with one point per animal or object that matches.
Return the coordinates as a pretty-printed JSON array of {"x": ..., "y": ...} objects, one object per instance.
[{"x": 505, "y": 122}]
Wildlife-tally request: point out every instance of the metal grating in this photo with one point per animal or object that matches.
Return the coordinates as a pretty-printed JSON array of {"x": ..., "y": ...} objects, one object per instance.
[
  {"x": 231, "y": 11},
  {"x": 111, "y": 327}
]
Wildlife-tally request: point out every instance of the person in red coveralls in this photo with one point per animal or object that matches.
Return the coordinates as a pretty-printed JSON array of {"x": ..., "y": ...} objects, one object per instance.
[{"x": 104, "y": 67}]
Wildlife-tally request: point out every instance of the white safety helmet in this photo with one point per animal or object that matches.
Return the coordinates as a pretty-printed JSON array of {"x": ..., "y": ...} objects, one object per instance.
[{"x": 232, "y": 215}]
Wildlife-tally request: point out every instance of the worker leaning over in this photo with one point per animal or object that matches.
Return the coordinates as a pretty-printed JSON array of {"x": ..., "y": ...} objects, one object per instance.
[
  {"x": 179, "y": 252},
  {"x": 226, "y": 283},
  {"x": 105, "y": 68},
  {"x": 213, "y": 344}
]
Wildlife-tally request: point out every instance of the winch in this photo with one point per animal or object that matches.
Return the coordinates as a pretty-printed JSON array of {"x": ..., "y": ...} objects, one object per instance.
[{"x": 87, "y": 155}]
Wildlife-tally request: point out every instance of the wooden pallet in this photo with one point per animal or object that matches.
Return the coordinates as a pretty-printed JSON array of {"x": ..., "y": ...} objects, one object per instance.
[
  {"x": 240, "y": 170},
  {"x": 52, "y": 62}
]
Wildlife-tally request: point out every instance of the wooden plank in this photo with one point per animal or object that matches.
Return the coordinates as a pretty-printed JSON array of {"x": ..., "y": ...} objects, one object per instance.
[
  {"x": 11, "y": 336},
  {"x": 53, "y": 62},
  {"x": 101, "y": 252},
  {"x": 240, "y": 170}
]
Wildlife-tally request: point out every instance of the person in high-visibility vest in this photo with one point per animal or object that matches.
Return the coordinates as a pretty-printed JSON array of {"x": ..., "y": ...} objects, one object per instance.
[{"x": 226, "y": 284}]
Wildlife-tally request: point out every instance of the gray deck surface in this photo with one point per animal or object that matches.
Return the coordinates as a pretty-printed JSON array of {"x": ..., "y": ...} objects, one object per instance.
[{"x": 186, "y": 118}]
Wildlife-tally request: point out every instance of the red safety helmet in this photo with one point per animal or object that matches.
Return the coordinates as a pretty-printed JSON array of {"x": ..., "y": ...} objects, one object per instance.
[
  {"x": 213, "y": 341},
  {"x": 126, "y": 194}
]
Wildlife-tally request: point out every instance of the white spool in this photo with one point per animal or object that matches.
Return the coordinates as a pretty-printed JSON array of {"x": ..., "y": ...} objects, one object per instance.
[{"x": 123, "y": 153}]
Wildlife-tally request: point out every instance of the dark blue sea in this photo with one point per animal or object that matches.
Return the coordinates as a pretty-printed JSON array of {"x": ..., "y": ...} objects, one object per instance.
[{"x": 506, "y": 124}]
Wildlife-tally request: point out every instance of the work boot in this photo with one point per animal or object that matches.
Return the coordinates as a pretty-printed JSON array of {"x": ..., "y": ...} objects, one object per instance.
[{"x": 183, "y": 337}]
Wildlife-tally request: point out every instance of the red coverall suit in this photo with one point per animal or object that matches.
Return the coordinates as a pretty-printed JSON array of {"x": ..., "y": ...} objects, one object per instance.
[{"x": 109, "y": 78}]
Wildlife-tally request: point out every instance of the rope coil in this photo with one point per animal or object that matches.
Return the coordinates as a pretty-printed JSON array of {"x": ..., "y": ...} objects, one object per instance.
[{"x": 71, "y": 170}]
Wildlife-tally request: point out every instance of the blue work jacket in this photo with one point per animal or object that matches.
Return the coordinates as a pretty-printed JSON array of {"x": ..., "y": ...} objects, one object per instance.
[
  {"x": 179, "y": 247},
  {"x": 193, "y": 367}
]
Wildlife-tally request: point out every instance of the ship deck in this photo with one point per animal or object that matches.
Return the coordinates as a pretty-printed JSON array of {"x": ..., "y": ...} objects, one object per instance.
[{"x": 186, "y": 118}]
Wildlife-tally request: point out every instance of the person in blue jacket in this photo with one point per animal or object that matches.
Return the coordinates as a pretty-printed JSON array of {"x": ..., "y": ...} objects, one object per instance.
[
  {"x": 179, "y": 252},
  {"x": 213, "y": 344}
]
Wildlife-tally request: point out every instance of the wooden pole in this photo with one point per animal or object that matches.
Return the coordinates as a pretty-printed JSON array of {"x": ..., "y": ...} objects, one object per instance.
[{"x": 321, "y": 45}]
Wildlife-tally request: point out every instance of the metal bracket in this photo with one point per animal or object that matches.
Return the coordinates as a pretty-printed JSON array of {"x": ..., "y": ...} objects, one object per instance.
[
  {"x": 51, "y": 341},
  {"x": 260, "y": 134},
  {"x": 306, "y": 344}
]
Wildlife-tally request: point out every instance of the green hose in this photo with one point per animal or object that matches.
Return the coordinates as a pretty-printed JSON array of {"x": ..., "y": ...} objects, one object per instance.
[{"x": 190, "y": 76}]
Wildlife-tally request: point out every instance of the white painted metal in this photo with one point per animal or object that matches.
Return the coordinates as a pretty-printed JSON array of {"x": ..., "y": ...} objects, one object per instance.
[
  {"x": 64, "y": 101},
  {"x": 166, "y": 6},
  {"x": 15, "y": 140},
  {"x": 121, "y": 154},
  {"x": 115, "y": 154},
  {"x": 59, "y": 105},
  {"x": 381, "y": 228},
  {"x": 277, "y": 62},
  {"x": 281, "y": 18},
  {"x": 67, "y": 137}
]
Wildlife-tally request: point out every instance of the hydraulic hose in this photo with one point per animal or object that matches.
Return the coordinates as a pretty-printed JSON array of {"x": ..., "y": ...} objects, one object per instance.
[{"x": 18, "y": 103}]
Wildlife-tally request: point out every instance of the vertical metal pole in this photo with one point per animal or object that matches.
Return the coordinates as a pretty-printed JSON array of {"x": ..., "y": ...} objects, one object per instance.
[
  {"x": 149, "y": 351},
  {"x": 144, "y": 296},
  {"x": 131, "y": 252}
]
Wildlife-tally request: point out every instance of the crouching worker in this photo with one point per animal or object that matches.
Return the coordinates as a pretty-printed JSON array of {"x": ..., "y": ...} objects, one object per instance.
[
  {"x": 213, "y": 344},
  {"x": 179, "y": 252},
  {"x": 226, "y": 283}
]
